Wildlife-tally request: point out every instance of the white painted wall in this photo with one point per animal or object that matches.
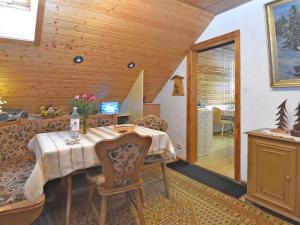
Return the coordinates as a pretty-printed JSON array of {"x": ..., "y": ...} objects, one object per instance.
[
  {"x": 17, "y": 23},
  {"x": 258, "y": 100},
  {"x": 173, "y": 109},
  {"x": 133, "y": 103}
]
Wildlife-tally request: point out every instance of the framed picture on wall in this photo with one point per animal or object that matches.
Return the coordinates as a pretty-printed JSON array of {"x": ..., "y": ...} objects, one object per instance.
[{"x": 283, "y": 27}]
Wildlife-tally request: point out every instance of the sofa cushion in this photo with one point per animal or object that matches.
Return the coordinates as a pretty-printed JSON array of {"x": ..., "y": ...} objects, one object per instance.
[
  {"x": 13, "y": 177},
  {"x": 99, "y": 120},
  {"x": 14, "y": 138},
  {"x": 60, "y": 123}
]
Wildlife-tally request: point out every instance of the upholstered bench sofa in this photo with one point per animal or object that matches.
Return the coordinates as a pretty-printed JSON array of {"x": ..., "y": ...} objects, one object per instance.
[
  {"x": 62, "y": 123},
  {"x": 17, "y": 163}
]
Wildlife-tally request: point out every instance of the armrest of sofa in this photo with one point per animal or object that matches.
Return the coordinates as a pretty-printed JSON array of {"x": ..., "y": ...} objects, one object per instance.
[{"x": 21, "y": 213}]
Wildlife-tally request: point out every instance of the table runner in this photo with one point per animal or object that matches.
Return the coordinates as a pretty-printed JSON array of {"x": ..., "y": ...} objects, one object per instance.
[{"x": 55, "y": 159}]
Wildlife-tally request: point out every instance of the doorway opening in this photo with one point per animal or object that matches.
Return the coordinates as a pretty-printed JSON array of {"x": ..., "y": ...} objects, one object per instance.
[{"x": 214, "y": 105}]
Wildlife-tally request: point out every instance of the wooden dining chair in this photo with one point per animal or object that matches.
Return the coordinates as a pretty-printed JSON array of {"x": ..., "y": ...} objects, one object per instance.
[
  {"x": 155, "y": 123},
  {"x": 122, "y": 160},
  {"x": 219, "y": 122}
]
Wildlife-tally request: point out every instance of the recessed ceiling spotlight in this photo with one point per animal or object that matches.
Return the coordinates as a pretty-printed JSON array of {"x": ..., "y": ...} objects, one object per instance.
[
  {"x": 78, "y": 59},
  {"x": 131, "y": 65}
]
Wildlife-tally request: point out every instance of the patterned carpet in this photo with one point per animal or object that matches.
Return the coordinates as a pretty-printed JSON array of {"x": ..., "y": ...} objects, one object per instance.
[{"x": 191, "y": 203}]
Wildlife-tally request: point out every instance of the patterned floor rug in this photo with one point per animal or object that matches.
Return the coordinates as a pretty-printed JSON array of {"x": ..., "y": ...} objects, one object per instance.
[{"x": 191, "y": 203}]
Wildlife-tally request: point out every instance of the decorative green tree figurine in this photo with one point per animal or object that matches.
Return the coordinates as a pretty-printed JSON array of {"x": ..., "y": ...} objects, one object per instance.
[
  {"x": 282, "y": 119},
  {"x": 296, "y": 128}
]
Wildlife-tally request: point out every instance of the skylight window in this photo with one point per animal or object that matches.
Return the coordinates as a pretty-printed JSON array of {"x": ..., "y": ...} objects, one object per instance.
[{"x": 21, "y": 4}]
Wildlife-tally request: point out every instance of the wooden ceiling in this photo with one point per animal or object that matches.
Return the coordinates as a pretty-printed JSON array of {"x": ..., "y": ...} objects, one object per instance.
[
  {"x": 155, "y": 34},
  {"x": 215, "y": 6}
]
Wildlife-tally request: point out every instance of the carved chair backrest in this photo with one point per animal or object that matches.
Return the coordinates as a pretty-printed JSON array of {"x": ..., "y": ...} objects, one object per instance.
[
  {"x": 152, "y": 122},
  {"x": 122, "y": 159}
]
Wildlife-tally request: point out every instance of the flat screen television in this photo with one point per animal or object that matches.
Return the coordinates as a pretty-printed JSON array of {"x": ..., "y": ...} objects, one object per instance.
[{"x": 110, "y": 107}]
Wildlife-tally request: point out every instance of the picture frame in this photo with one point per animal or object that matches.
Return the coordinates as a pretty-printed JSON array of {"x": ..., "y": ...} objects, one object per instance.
[{"x": 283, "y": 32}]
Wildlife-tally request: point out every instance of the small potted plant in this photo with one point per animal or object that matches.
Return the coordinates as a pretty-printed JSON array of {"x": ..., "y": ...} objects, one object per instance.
[
  {"x": 86, "y": 105},
  {"x": 49, "y": 112}
]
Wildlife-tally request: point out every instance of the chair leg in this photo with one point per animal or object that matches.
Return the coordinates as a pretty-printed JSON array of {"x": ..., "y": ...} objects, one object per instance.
[
  {"x": 91, "y": 193},
  {"x": 102, "y": 214},
  {"x": 132, "y": 198},
  {"x": 142, "y": 195},
  {"x": 163, "y": 167},
  {"x": 139, "y": 206}
]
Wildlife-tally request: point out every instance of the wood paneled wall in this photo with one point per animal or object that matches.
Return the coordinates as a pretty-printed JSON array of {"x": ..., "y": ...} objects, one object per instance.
[{"x": 155, "y": 34}]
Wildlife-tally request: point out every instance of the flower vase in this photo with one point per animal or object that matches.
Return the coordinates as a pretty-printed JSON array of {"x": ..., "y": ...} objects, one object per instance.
[{"x": 85, "y": 125}]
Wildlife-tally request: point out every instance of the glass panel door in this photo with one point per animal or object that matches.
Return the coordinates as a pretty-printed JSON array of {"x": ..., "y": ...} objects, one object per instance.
[{"x": 216, "y": 109}]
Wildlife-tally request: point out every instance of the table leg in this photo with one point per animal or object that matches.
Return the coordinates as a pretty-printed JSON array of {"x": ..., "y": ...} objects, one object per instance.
[
  {"x": 63, "y": 197},
  {"x": 69, "y": 199}
]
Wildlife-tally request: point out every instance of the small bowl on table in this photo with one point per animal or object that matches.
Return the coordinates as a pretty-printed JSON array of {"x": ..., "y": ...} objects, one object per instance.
[
  {"x": 124, "y": 128},
  {"x": 72, "y": 141}
]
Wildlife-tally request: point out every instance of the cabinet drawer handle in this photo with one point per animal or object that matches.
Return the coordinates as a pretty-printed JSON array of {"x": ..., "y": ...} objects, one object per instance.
[{"x": 288, "y": 178}]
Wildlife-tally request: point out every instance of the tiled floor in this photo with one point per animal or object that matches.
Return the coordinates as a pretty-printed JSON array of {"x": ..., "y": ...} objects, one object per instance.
[{"x": 220, "y": 156}]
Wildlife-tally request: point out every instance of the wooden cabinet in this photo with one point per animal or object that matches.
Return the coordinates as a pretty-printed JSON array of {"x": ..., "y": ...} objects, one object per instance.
[
  {"x": 274, "y": 172},
  {"x": 151, "y": 108}
]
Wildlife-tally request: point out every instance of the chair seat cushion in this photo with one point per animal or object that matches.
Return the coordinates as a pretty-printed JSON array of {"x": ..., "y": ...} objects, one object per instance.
[
  {"x": 164, "y": 157},
  {"x": 94, "y": 176},
  {"x": 13, "y": 176},
  {"x": 96, "y": 179}
]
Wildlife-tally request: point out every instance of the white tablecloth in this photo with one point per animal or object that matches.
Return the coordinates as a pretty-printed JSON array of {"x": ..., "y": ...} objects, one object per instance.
[{"x": 56, "y": 159}]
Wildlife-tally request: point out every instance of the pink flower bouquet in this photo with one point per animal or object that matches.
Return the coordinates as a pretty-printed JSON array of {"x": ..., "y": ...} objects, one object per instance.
[{"x": 86, "y": 104}]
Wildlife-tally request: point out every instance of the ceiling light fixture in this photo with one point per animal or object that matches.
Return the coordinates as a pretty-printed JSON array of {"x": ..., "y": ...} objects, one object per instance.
[
  {"x": 78, "y": 59},
  {"x": 131, "y": 65}
]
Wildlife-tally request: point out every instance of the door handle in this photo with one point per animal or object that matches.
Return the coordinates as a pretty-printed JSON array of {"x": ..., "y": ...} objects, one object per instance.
[{"x": 288, "y": 178}]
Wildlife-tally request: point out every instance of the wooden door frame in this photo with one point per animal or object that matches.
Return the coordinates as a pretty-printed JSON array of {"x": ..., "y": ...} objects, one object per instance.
[{"x": 192, "y": 97}]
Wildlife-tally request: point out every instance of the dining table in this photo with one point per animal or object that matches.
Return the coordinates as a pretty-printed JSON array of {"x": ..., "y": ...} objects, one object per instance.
[{"x": 56, "y": 158}]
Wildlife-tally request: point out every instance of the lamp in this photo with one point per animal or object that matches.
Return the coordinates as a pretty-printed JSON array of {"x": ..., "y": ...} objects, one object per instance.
[
  {"x": 131, "y": 65},
  {"x": 2, "y": 102},
  {"x": 78, "y": 59}
]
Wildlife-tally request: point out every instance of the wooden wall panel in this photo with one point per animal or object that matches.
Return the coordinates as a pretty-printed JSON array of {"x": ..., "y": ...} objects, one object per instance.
[{"x": 154, "y": 34}]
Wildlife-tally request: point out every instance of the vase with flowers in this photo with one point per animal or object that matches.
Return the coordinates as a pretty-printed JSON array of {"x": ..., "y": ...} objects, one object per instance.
[{"x": 86, "y": 105}]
